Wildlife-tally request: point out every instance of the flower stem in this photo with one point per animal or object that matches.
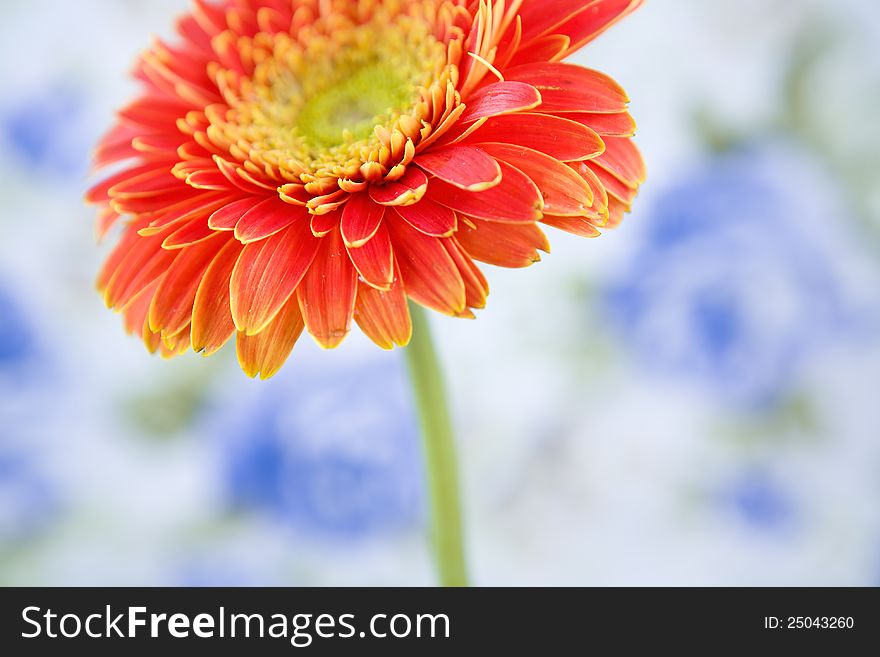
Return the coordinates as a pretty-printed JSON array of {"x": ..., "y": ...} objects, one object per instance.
[{"x": 439, "y": 451}]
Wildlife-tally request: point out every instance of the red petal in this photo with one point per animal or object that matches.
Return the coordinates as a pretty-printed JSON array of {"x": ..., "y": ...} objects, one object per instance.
[
  {"x": 324, "y": 223},
  {"x": 429, "y": 217},
  {"x": 360, "y": 220},
  {"x": 570, "y": 88},
  {"x": 558, "y": 137},
  {"x": 504, "y": 245},
  {"x": 589, "y": 23},
  {"x": 374, "y": 260},
  {"x": 565, "y": 193},
  {"x": 515, "y": 199},
  {"x": 267, "y": 218},
  {"x": 475, "y": 285},
  {"x": 540, "y": 17},
  {"x": 410, "y": 188},
  {"x": 228, "y": 216},
  {"x": 620, "y": 124},
  {"x": 212, "y": 323},
  {"x": 327, "y": 293},
  {"x": 267, "y": 273},
  {"x": 384, "y": 316},
  {"x": 464, "y": 167},
  {"x": 429, "y": 274},
  {"x": 500, "y": 98},
  {"x": 547, "y": 48},
  {"x": 172, "y": 306},
  {"x": 266, "y": 352},
  {"x": 577, "y": 225},
  {"x": 623, "y": 160},
  {"x": 192, "y": 232}
]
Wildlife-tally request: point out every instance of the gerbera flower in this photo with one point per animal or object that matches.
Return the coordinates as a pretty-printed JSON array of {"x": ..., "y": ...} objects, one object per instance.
[{"x": 300, "y": 164}]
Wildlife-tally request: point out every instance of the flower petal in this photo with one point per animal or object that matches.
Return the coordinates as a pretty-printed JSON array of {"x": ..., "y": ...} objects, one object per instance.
[
  {"x": 570, "y": 88},
  {"x": 384, "y": 316},
  {"x": 172, "y": 306},
  {"x": 515, "y": 199},
  {"x": 410, "y": 188},
  {"x": 360, "y": 220},
  {"x": 475, "y": 284},
  {"x": 619, "y": 124},
  {"x": 429, "y": 217},
  {"x": 374, "y": 260},
  {"x": 267, "y": 273},
  {"x": 464, "y": 167},
  {"x": 557, "y": 137},
  {"x": 504, "y": 245},
  {"x": 267, "y": 218},
  {"x": 326, "y": 294},
  {"x": 265, "y": 352},
  {"x": 500, "y": 98},
  {"x": 428, "y": 272},
  {"x": 623, "y": 160},
  {"x": 228, "y": 216},
  {"x": 594, "y": 19},
  {"x": 212, "y": 324},
  {"x": 565, "y": 193},
  {"x": 580, "y": 226}
]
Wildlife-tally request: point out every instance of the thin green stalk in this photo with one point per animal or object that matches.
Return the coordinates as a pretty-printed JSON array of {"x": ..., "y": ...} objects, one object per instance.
[{"x": 439, "y": 452}]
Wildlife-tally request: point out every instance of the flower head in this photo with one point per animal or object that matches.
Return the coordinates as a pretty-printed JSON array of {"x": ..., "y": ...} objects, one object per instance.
[{"x": 299, "y": 164}]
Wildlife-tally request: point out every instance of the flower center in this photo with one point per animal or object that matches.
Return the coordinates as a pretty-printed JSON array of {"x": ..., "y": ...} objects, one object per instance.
[{"x": 326, "y": 102}]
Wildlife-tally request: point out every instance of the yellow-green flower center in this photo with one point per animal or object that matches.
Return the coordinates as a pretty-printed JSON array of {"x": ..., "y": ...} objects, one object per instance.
[
  {"x": 318, "y": 101},
  {"x": 353, "y": 105}
]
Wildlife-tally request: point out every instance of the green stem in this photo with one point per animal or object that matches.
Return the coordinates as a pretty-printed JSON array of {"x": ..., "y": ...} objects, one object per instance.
[{"x": 439, "y": 452}]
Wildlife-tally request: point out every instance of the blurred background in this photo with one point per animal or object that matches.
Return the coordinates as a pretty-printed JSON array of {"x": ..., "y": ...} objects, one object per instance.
[{"x": 689, "y": 399}]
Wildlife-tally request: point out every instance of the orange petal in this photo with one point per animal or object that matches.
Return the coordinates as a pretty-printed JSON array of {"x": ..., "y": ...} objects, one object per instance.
[
  {"x": 172, "y": 306},
  {"x": 547, "y": 48},
  {"x": 384, "y": 316},
  {"x": 410, "y": 188},
  {"x": 228, "y": 216},
  {"x": 475, "y": 284},
  {"x": 500, "y": 98},
  {"x": 577, "y": 225},
  {"x": 429, "y": 274},
  {"x": 267, "y": 218},
  {"x": 321, "y": 224},
  {"x": 429, "y": 217},
  {"x": 541, "y": 17},
  {"x": 267, "y": 273},
  {"x": 565, "y": 193},
  {"x": 374, "y": 260},
  {"x": 623, "y": 160},
  {"x": 326, "y": 294},
  {"x": 557, "y": 137},
  {"x": 504, "y": 245},
  {"x": 464, "y": 167},
  {"x": 515, "y": 199},
  {"x": 192, "y": 232},
  {"x": 360, "y": 220},
  {"x": 266, "y": 352},
  {"x": 594, "y": 19},
  {"x": 570, "y": 88},
  {"x": 212, "y": 323},
  {"x": 144, "y": 261},
  {"x": 619, "y": 124}
]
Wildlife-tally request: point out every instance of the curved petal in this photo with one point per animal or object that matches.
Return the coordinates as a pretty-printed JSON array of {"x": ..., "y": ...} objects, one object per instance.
[
  {"x": 374, "y": 260},
  {"x": 267, "y": 274},
  {"x": 565, "y": 193},
  {"x": 267, "y": 218},
  {"x": 212, "y": 324},
  {"x": 361, "y": 218},
  {"x": 500, "y": 98},
  {"x": 429, "y": 217},
  {"x": 327, "y": 292},
  {"x": 516, "y": 199},
  {"x": 384, "y": 316},
  {"x": 555, "y": 136},
  {"x": 503, "y": 245},
  {"x": 464, "y": 167},
  {"x": 570, "y": 88},
  {"x": 265, "y": 352}
]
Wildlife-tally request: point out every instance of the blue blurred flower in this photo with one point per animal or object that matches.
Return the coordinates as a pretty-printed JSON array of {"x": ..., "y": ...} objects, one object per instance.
[
  {"x": 28, "y": 499},
  {"x": 760, "y": 501},
  {"x": 332, "y": 451},
  {"x": 17, "y": 344},
  {"x": 44, "y": 131},
  {"x": 734, "y": 285}
]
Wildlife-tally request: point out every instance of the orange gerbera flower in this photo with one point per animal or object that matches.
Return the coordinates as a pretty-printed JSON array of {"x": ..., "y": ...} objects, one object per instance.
[{"x": 301, "y": 164}]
